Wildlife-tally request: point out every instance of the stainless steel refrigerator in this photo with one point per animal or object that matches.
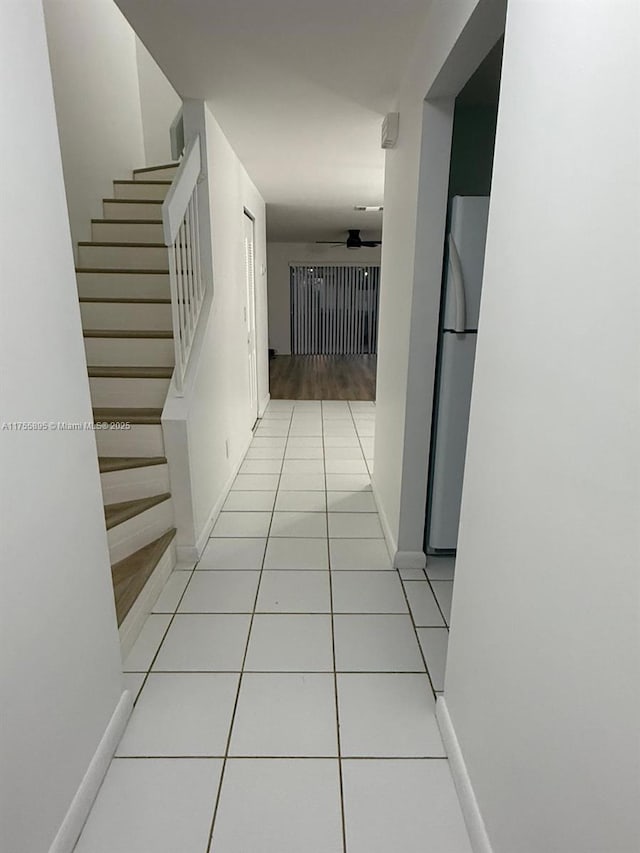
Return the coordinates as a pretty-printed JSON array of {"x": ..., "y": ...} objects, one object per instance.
[{"x": 464, "y": 255}]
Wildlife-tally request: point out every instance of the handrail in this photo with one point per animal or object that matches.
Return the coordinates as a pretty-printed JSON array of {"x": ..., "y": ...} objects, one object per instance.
[
  {"x": 181, "y": 226},
  {"x": 180, "y": 191}
]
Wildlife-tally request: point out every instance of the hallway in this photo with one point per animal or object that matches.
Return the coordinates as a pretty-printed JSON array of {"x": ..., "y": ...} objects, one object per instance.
[{"x": 286, "y": 688}]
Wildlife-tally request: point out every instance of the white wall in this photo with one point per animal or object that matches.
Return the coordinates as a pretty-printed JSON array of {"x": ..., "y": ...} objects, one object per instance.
[
  {"x": 159, "y": 102},
  {"x": 542, "y": 676},
  {"x": 59, "y": 650},
  {"x": 413, "y": 239},
  {"x": 216, "y": 405},
  {"x": 279, "y": 257},
  {"x": 95, "y": 76}
]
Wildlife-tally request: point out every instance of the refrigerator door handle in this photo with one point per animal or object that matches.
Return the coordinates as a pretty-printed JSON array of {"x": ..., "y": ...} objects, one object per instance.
[{"x": 458, "y": 286}]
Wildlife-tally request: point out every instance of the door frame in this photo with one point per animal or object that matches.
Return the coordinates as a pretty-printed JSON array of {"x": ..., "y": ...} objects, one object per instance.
[
  {"x": 251, "y": 313},
  {"x": 483, "y": 29}
]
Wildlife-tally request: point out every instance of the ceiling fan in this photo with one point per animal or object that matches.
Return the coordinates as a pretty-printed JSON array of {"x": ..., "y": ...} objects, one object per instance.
[{"x": 353, "y": 241}]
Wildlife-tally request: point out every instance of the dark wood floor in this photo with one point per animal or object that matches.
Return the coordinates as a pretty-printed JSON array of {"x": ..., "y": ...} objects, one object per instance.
[{"x": 323, "y": 377}]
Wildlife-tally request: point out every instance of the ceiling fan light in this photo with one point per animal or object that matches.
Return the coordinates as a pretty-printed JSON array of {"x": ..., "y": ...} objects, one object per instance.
[{"x": 353, "y": 240}]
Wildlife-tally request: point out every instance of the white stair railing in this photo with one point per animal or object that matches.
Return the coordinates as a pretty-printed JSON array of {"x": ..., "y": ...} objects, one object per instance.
[{"x": 186, "y": 276}]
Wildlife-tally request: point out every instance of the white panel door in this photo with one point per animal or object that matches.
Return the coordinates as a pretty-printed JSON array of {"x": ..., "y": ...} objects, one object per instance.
[{"x": 250, "y": 313}]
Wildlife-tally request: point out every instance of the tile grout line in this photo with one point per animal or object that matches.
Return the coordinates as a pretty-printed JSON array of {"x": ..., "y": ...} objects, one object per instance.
[
  {"x": 415, "y": 631},
  {"x": 298, "y": 612},
  {"x": 289, "y": 671},
  {"x": 369, "y": 471},
  {"x": 364, "y": 455},
  {"x": 166, "y": 631},
  {"x": 244, "y": 659},
  {"x": 444, "y": 618},
  {"x": 404, "y": 592},
  {"x": 333, "y": 652},
  {"x": 283, "y": 757}
]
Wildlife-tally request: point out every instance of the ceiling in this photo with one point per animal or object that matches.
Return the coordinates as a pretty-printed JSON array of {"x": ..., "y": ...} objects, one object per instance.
[{"x": 300, "y": 88}]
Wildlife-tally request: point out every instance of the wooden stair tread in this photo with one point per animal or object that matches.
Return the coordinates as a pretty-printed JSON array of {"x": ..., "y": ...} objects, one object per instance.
[
  {"x": 111, "y": 414},
  {"x": 155, "y": 168},
  {"x": 125, "y": 270},
  {"x": 123, "y": 463},
  {"x": 133, "y": 200},
  {"x": 126, "y": 221},
  {"x": 131, "y": 574},
  {"x": 120, "y": 245},
  {"x": 142, "y": 183},
  {"x": 115, "y": 514},
  {"x": 128, "y": 333},
  {"x": 116, "y": 372},
  {"x": 124, "y": 300}
]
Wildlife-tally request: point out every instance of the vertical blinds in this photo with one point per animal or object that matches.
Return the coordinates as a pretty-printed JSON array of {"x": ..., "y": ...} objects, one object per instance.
[{"x": 334, "y": 310}]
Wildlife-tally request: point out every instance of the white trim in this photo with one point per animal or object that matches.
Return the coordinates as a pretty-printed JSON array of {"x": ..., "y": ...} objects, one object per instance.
[
  {"x": 177, "y": 199},
  {"x": 399, "y": 559},
  {"x": 472, "y": 816},
  {"x": 409, "y": 560},
  {"x": 187, "y": 553},
  {"x": 143, "y": 605},
  {"x": 262, "y": 407},
  {"x": 192, "y": 553},
  {"x": 392, "y": 545},
  {"x": 78, "y": 811}
]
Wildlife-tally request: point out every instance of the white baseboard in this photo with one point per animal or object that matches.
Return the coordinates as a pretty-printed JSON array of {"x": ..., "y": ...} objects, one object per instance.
[
  {"x": 143, "y": 605},
  {"x": 187, "y": 554},
  {"x": 78, "y": 811},
  {"x": 409, "y": 560},
  {"x": 192, "y": 553},
  {"x": 263, "y": 405},
  {"x": 472, "y": 817},
  {"x": 399, "y": 559},
  {"x": 392, "y": 545}
]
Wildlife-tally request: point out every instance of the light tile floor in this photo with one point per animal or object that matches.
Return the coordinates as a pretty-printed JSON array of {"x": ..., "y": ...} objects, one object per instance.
[{"x": 286, "y": 684}]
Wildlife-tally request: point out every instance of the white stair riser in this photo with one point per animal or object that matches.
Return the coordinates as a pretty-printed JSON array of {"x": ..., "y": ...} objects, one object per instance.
[
  {"x": 125, "y": 315},
  {"x": 139, "y": 440},
  {"x": 124, "y": 257},
  {"x": 135, "y": 210},
  {"x": 139, "y": 531},
  {"x": 127, "y": 232},
  {"x": 96, "y": 285},
  {"x": 140, "y": 190},
  {"x": 134, "y": 483},
  {"x": 124, "y": 352},
  {"x": 167, "y": 174},
  {"x": 118, "y": 391}
]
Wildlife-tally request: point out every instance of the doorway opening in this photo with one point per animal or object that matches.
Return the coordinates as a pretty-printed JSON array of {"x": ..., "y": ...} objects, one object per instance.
[
  {"x": 472, "y": 149},
  {"x": 459, "y": 142}
]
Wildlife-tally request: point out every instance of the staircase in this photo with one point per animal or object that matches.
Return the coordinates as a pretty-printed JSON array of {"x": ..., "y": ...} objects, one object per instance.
[{"x": 123, "y": 286}]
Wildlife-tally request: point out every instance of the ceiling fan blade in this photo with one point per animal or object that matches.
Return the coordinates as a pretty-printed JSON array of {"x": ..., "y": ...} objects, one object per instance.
[{"x": 371, "y": 244}]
